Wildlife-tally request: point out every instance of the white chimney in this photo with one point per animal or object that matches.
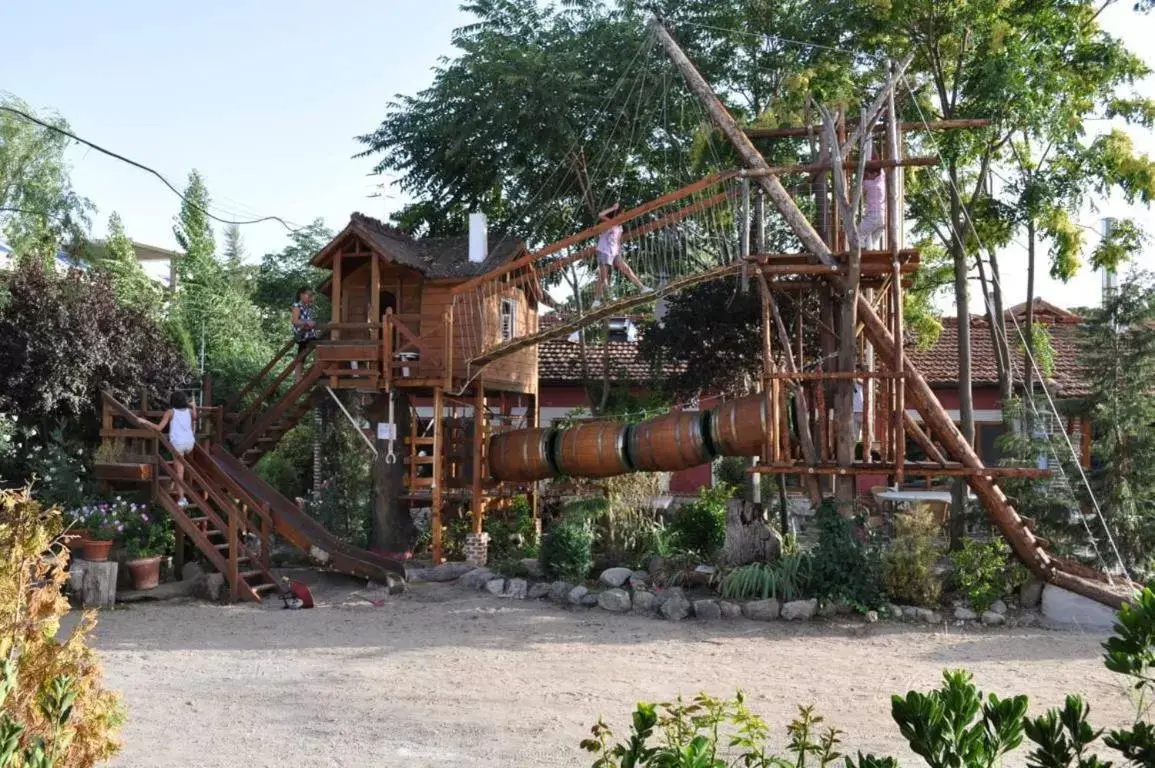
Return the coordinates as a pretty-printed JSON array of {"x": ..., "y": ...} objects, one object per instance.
[
  {"x": 1108, "y": 274},
  {"x": 478, "y": 238}
]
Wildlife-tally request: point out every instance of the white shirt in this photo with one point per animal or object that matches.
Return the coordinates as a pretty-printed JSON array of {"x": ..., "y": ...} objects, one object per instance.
[
  {"x": 180, "y": 430},
  {"x": 857, "y": 407}
]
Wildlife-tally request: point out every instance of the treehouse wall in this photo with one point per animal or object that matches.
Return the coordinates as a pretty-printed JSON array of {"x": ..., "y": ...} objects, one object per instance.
[
  {"x": 399, "y": 288},
  {"x": 473, "y": 325}
]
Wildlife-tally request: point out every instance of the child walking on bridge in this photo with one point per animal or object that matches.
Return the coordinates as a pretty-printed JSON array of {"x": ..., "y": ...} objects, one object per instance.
[{"x": 609, "y": 255}]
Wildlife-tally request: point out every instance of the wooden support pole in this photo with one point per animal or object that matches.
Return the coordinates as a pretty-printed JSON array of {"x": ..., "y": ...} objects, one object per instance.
[
  {"x": 438, "y": 472},
  {"x": 335, "y": 314},
  {"x": 374, "y": 295},
  {"x": 936, "y": 125},
  {"x": 911, "y": 427},
  {"x": 478, "y": 500},
  {"x": 894, "y": 220},
  {"x": 871, "y": 165},
  {"x": 744, "y": 235}
]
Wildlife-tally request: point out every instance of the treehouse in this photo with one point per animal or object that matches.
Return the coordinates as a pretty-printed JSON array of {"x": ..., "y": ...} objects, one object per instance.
[{"x": 395, "y": 318}]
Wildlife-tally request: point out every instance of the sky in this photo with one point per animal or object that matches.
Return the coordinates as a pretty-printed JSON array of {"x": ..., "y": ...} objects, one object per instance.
[{"x": 265, "y": 99}]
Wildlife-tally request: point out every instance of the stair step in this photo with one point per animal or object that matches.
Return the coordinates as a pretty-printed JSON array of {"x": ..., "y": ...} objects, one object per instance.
[
  {"x": 246, "y": 575},
  {"x": 266, "y": 587}
]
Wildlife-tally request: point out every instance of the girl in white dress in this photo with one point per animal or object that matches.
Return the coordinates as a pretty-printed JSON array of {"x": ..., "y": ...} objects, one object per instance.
[{"x": 180, "y": 419}]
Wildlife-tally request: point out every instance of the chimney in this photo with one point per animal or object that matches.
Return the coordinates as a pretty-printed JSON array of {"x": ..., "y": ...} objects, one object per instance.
[
  {"x": 1108, "y": 274},
  {"x": 478, "y": 238}
]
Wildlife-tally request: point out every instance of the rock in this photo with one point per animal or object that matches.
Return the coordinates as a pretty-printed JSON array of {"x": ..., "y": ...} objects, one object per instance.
[
  {"x": 576, "y": 594},
  {"x": 799, "y": 610},
  {"x": 729, "y": 610},
  {"x": 532, "y": 567},
  {"x": 477, "y": 578},
  {"x": 761, "y": 610},
  {"x": 707, "y": 610},
  {"x": 1066, "y": 607},
  {"x": 495, "y": 586},
  {"x": 872, "y": 617},
  {"x": 1031, "y": 594},
  {"x": 992, "y": 619},
  {"x": 999, "y": 607},
  {"x": 639, "y": 579},
  {"x": 214, "y": 586},
  {"x": 843, "y": 608},
  {"x": 192, "y": 571},
  {"x": 589, "y": 599},
  {"x": 893, "y": 611},
  {"x": 676, "y": 607},
  {"x": 516, "y": 589},
  {"x": 827, "y": 610},
  {"x": 615, "y": 577},
  {"x": 644, "y": 600},
  {"x": 169, "y": 590},
  {"x": 1029, "y": 619},
  {"x": 559, "y": 591},
  {"x": 615, "y": 600},
  {"x": 538, "y": 590},
  {"x": 654, "y": 566},
  {"x": 909, "y": 612},
  {"x": 449, "y": 571},
  {"x": 927, "y": 616},
  {"x": 962, "y": 613}
]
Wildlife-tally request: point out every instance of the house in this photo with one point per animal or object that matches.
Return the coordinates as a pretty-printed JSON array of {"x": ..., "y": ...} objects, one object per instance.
[{"x": 64, "y": 261}]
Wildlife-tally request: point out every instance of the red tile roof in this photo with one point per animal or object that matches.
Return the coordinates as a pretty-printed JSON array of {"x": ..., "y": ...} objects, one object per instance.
[{"x": 560, "y": 360}]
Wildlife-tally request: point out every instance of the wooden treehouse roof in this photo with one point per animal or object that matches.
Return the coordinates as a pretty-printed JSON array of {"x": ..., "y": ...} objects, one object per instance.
[{"x": 445, "y": 258}]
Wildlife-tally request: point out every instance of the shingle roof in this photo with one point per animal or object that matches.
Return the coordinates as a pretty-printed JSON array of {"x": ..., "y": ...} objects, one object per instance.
[
  {"x": 434, "y": 257},
  {"x": 559, "y": 360}
]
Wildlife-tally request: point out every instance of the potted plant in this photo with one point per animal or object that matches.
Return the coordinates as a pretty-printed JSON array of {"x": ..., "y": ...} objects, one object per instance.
[
  {"x": 102, "y": 525},
  {"x": 148, "y": 536},
  {"x": 76, "y": 530}
]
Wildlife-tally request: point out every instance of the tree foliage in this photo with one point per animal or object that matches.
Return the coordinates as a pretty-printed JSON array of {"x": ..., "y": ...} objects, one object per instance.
[
  {"x": 63, "y": 337},
  {"x": 133, "y": 287},
  {"x": 39, "y": 209},
  {"x": 284, "y": 272}
]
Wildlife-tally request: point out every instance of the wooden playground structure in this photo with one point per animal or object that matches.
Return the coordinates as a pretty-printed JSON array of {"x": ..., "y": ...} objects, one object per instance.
[{"x": 441, "y": 346}]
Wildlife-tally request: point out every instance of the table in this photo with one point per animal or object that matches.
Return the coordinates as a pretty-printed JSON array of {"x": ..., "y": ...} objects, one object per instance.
[{"x": 913, "y": 497}]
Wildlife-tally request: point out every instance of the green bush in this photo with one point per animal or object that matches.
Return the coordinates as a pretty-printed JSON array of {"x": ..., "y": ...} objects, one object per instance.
[
  {"x": 731, "y": 471},
  {"x": 955, "y": 726},
  {"x": 908, "y": 565},
  {"x": 786, "y": 579},
  {"x": 626, "y": 536},
  {"x": 700, "y": 527},
  {"x": 566, "y": 551},
  {"x": 844, "y": 567},
  {"x": 984, "y": 571},
  {"x": 512, "y": 537}
]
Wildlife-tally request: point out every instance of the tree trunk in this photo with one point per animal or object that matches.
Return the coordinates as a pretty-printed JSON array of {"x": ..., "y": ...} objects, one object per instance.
[
  {"x": 393, "y": 528},
  {"x": 748, "y": 538},
  {"x": 1029, "y": 332},
  {"x": 965, "y": 392}
]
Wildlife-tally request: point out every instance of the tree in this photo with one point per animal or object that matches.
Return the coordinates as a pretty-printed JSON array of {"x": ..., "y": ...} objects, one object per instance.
[
  {"x": 1119, "y": 346},
  {"x": 213, "y": 312},
  {"x": 283, "y": 273},
  {"x": 234, "y": 258},
  {"x": 39, "y": 210},
  {"x": 64, "y": 337},
  {"x": 133, "y": 287}
]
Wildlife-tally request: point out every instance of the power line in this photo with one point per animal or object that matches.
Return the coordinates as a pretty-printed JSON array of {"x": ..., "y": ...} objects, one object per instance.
[{"x": 143, "y": 167}]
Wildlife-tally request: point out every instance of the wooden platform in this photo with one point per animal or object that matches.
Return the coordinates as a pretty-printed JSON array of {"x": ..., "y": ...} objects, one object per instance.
[{"x": 914, "y": 468}]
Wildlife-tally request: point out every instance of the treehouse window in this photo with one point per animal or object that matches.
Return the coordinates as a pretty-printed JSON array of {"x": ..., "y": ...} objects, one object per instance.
[{"x": 508, "y": 319}]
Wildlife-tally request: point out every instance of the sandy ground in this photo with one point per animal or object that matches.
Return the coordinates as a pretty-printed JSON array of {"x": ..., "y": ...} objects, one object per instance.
[{"x": 447, "y": 677}]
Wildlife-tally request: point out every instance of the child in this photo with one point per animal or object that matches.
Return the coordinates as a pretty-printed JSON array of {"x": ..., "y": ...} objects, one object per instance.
[
  {"x": 609, "y": 255},
  {"x": 304, "y": 327},
  {"x": 179, "y": 418},
  {"x": 874, "y": 191}
]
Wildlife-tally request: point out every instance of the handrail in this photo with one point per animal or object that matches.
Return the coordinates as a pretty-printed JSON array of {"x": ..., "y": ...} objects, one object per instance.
[
  {"x": 249, "y": 413},
  {"x": 596, "y": 229},
  {"x": 236, "y": 399},
  {"x": 260, "y": 507}
]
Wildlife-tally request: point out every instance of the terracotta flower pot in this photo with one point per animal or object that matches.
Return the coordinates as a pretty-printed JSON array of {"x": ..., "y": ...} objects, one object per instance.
[
  {"x": 95, "y": 551},
  {"x": 74, "y": 539},
  {"x": 145, "y": 572}
]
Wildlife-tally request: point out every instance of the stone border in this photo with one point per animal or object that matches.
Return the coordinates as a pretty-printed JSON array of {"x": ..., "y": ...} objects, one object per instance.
[{"x": 629, "y": 591}]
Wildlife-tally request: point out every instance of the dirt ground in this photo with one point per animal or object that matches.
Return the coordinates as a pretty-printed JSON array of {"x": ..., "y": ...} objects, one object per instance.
[{"x": 446, "y": 677}]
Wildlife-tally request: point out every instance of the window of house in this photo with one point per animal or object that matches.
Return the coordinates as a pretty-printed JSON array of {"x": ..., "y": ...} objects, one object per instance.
[{"x": 508, "y": 319}]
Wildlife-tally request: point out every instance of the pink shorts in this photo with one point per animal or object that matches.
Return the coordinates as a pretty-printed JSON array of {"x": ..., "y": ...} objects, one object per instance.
[{"x": 607, "y": 259}]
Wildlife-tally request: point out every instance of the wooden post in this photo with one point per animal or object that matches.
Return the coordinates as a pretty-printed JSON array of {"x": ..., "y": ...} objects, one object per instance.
[
  {"x": 532, "y": 420},
  {"x": 387, "y": 348},
  {"x": 478, "y": 510},
  {"x": 336, "y": 315},
  {"x": 374, "y": 295},
  {"x": 234, "y": 547},
  {"x": 438, "y": 470},
  {"x": 894, "y": 216},
  {"x": 207, "y": 390},
  {"x": 1085, "y": 442},
  {"x": 449, "y": 342},
  {"x": 744, "y": 236}
]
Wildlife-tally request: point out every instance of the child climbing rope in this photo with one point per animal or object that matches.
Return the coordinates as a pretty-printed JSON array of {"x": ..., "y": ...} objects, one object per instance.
[
  {"x": 609, "y": 255},
  {"x": 873, "y": 222},
  {"x": 179, "y": 418}
]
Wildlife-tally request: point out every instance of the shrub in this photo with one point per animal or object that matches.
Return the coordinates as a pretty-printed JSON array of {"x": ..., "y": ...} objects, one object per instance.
[
  {"x": 44, "y": 672},
  {"x": 626, "y": 535},
  {"x": 700, "y": 527},
  {"x": 844, "y": 568},
  {"x": 731, "y": 470},
  {"x": 289, "y": 467},
  {"x": 908, "y": 566},
  {"x": 512, "y": 537},
  {"x": 984, "y": 571},
  {"x": 566, "y": 551},
  {"x": 148, "y": 533},
  {"x": 786, "y": 579}
]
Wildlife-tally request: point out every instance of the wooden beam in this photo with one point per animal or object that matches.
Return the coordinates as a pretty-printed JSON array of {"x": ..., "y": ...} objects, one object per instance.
[
  {"x": 374, "y": 318},
  {"x": 478, "y": 500},
  {"x": 921, "y": 469},
  {"x": 894, "y": 217},
  {"x": 870, "y": 165},
  {"x": 335, "y": 315},
  {"x": 803, "y": 131}
]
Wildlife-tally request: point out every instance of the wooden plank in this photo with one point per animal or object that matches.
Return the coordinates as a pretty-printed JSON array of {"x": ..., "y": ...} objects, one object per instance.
[
  {"x": 921, "y": 469},
  {"x": 894, "y": 214},
  {"x": 802, "y": 131},
  {"x": 871, "y": 165},
  {"x": 478, "y": 503}
]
